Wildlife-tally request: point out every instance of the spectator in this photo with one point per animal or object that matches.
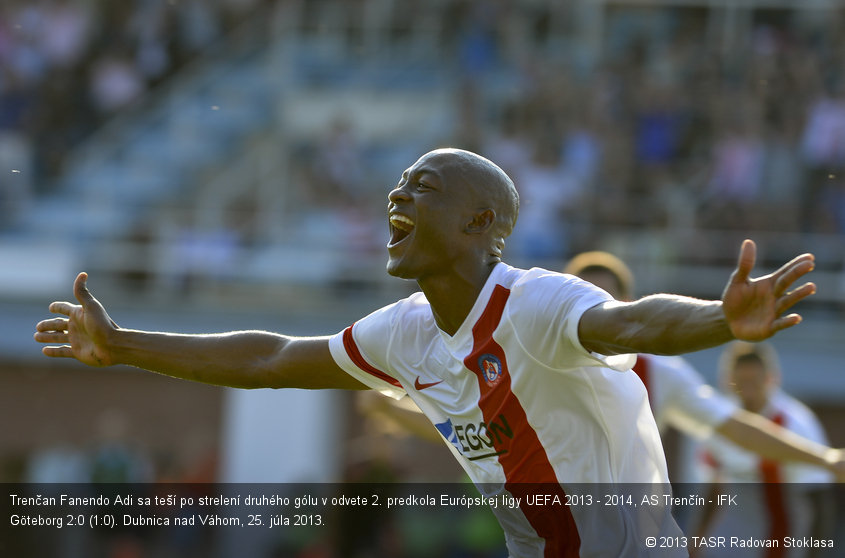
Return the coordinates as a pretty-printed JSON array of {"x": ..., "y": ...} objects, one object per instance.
[
  {"x": 737, "y": 173},
  {"x": 65, "y": 33},
  {"x": 547, "y": 192},
  {"x": 115, "y": 82},
  {"x": 823, "y": 148}
]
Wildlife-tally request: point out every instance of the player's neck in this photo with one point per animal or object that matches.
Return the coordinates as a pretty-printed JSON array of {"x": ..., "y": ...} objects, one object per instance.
[{"x": 452, "y": 297}]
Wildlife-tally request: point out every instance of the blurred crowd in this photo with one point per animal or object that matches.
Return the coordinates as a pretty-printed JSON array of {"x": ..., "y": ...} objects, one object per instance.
[
  {"x": 680, "y": 134},
  {"x": 667, "y": 126},
  {"x": 667, "y": 120},
  {"x": 67, "y": 66}
]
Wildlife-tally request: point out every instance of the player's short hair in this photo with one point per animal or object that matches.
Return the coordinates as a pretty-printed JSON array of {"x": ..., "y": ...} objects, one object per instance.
[
  {"x": 742, "y": 352},
  {"x": 505, "y": 201},
  {"x": 494, "y": 185},
  {"x": 603, "y": 262},
  {"x": 498, "y": 188}
]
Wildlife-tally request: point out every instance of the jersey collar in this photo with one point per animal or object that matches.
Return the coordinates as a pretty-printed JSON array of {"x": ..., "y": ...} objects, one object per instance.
[{"x": 464, "y": 332}]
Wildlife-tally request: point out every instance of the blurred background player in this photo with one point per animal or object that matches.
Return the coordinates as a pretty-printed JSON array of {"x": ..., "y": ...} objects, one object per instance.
[
  {"x": 680, "y": 398},
  {"x": 778, "y": 499}
]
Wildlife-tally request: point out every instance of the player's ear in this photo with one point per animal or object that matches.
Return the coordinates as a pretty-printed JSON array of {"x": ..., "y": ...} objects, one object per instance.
[{"x": 481, "y": 222}]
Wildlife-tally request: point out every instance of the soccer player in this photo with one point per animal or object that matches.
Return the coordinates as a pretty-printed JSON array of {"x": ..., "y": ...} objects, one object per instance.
[
  {"x": 524, "y": 372},
  {"x": 679, "y": 397},
  {"x": 781, "y": 502}
]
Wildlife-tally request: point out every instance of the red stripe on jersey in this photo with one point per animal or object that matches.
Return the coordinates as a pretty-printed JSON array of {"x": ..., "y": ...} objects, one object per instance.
[
  {"x": 523, "y": 458},
  {"x": 770, "y": 473},
  {"x": 358, "y": 359},
  {"x": 642, "y": 369},
  {"x": 710, "y": 460}
]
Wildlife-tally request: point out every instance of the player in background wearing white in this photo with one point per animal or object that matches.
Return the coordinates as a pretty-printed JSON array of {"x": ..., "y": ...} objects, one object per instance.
[
  {"x": 517, "y": 368},
  {"x": 779, "y": 500},
  {"x": 680, "y": 397}
]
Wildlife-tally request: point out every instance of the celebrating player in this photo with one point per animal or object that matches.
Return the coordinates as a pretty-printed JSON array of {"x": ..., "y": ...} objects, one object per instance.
[{"x": 522, "y": 371}]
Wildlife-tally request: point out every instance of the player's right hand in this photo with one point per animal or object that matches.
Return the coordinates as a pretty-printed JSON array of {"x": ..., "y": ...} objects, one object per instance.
[{"x": 83, "y": 334}]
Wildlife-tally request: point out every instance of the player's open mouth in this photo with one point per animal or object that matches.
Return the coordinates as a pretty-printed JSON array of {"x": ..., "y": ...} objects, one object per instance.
[{"x": 400, "y": 227}]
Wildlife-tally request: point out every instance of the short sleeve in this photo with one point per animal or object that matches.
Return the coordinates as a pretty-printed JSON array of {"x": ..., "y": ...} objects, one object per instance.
[
  {"x": 689, "y": 403},
  {"x": 547, "y": 316},
  {"x": 361, "y": 349}
]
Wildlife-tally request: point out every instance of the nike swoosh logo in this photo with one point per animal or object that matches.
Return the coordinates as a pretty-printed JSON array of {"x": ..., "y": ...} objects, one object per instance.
[{"x": 419, "y": 386}]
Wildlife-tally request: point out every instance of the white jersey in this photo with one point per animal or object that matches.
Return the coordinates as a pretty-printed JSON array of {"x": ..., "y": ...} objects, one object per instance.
[
  {"x": 773, "y": 501},
  {"x": 679, "y": 396},
  {"x": 519, "y": 400}
]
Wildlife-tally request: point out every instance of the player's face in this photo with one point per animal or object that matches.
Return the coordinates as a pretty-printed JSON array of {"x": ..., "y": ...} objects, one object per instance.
[
  {"x": 752, "y": 384},
  {"x": 428, "y": 212}
]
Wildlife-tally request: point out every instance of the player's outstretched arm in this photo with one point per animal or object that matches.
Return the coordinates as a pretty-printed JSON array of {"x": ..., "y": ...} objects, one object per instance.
[
  {"x": 750, "y": 309},
  {"x": 404, "y": 413},
  {"x": 765, "y": 438},
  {"x": 248, "y": 359}
]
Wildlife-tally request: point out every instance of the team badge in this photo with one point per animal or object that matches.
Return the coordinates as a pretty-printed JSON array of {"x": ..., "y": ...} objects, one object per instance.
[{"x": 491, "y": 368}]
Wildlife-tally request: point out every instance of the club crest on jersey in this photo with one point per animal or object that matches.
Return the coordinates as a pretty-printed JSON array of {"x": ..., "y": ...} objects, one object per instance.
[{"x": 491, "y": 368}]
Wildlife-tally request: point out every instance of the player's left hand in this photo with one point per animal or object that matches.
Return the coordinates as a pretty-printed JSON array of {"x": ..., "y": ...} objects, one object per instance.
[{"x": 754, "y": 307}]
